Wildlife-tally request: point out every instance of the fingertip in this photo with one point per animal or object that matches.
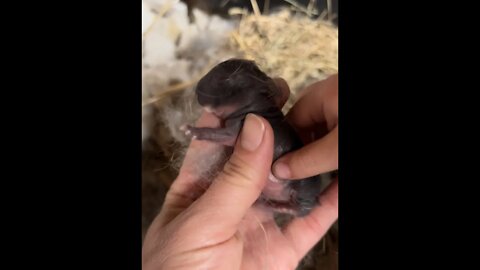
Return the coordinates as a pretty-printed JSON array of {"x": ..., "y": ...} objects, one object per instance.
[
  {"x": 282, "y": 83},
  {"x": 252, "y": 133},
  {"x": 281, "y": 170},
  {"x": 284, "y": 94}
]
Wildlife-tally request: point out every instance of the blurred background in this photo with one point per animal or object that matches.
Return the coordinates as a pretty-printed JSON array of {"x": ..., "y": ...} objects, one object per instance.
[{"x": 182, "y": 40}]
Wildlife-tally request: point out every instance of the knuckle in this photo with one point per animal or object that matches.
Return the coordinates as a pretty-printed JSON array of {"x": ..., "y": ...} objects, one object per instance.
[{"x": 238, "y": 172}]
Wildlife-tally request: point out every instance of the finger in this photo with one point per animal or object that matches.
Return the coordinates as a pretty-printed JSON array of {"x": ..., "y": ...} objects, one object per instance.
[
  {"x": 240, "y": 183},
  {"x": 319, "y": 104},
  {"x": 318, "y": 157},
  {"x": 282, "y": 98},
  {"x": 304, "y": 233}
]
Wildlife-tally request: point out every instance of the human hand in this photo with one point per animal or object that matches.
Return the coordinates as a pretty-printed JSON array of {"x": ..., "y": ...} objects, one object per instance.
[
  {"x": 315, "y": 117},
  {"x": 221, "y": 228}
]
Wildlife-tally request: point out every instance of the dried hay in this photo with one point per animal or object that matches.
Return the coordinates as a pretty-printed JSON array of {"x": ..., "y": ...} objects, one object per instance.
[{"x": 295, "y": 47}]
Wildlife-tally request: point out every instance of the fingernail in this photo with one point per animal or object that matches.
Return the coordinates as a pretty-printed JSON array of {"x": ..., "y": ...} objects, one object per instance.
[
  {"x": 281, "y": 170},
  {"x": 252, "y": 132}
]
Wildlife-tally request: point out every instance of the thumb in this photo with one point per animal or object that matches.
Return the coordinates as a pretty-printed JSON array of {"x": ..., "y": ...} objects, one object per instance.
[{"x": 240, "y": 183}]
